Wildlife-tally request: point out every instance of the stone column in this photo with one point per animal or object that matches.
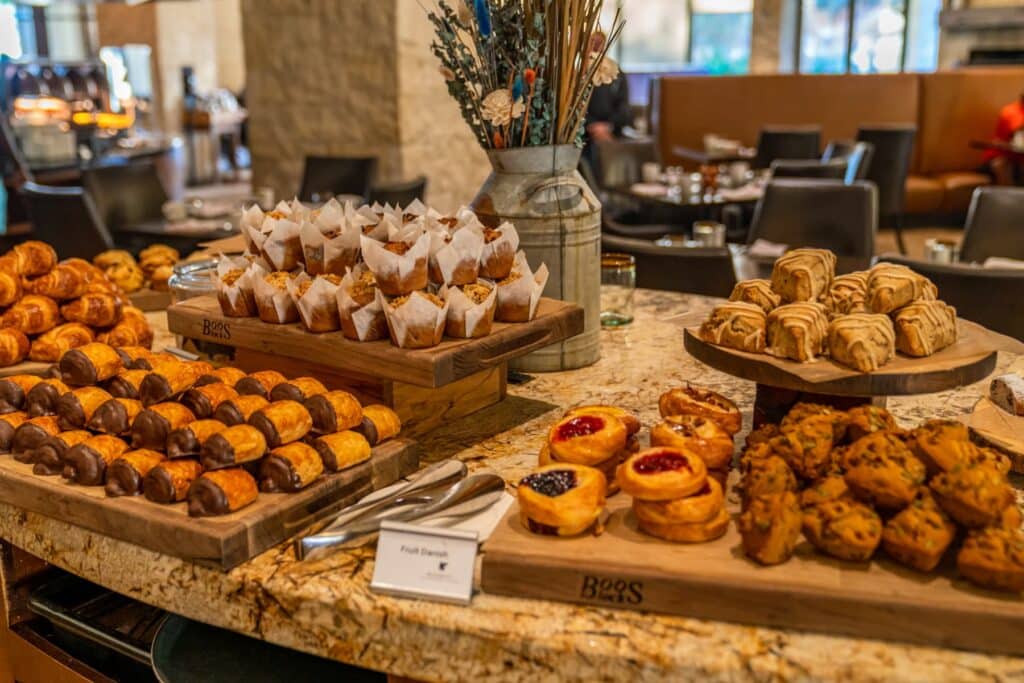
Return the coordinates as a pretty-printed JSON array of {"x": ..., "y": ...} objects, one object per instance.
[{"x": 764, "y": 36}]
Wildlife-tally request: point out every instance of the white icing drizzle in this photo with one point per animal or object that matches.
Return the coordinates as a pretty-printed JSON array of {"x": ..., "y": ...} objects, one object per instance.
[
  {"x": 732, "y": 318},
  {"x": 817, "y": 266},
  {"x": 757, "y": 292},
  {"x": 862, "y": 335},
  {"x": 892, "y": 285},
  {"x": 925, "y": 327},
  {"x": 806, "y": 316},
  {"x": 848, "y": 292}
]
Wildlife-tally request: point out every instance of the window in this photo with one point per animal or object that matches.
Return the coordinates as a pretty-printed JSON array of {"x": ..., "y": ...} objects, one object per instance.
[
  {"x": 824, "y": 36},
  {"x": 877, "y": 36},
  {"x": 720, "y": 35},
  {"x": 922, "y": 52}
]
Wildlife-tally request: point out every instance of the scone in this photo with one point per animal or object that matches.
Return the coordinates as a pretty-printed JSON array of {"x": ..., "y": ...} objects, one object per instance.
[
  {"x": 698, "y": 435},
  {"x": 845, "y": 529},
  {"x": 973, "y": 495},
  {"x": 806, "y": 446},
  {"x": 919, "y": 535},
  {"x": 848, "y": 294},
  {"x": 862, "y": 341},
  {"x": 801, "y": 411},
  {"x": 757, "y": 292},
  {"x": 830, "y": 487},
  {"x": 770, "y": 527},
  {"x": 940, "y": 444},
  {"x": 662, "y": 474},
  {"x": 561, "y": 500},
  {"x": 889, "y": 482},
  {"x": 737, "y": 325},
  {"x": 798, "y": 331},
  {"x": 892, "y": 286},
  {"x": 874, "y": 446},
  {"x": 765, "y": 476},
  {"x": 994, "y": 558},
  {"x": 694, "y": 400},
  {"x": 924, "y": 327},
  {"x": 803, "y": 274}
]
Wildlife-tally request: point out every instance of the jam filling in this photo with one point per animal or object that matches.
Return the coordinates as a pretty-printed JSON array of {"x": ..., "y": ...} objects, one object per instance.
[
  {"x": 583, "y": 425},
  {"x": 661, "y": 462},
  {"x": 551, "y": 483}
]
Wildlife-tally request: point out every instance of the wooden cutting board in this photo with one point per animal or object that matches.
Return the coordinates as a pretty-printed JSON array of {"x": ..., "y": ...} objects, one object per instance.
[
  {"x": 624, "y": 568},
  {"x": 996, "y": 427},
  {"x": 223, "y": 542}
]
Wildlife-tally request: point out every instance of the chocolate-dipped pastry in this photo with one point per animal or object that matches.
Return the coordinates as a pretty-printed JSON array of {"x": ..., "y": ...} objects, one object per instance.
[
  {"x": 227, "y": 374},
  {"x": 126, "y": 474},
  {"x": 169, "y": 481},
  {"x": 157, "y": 362},
  {"x": 233, "y": 446},
  {"x": 125, "y": 384},
  {"x": 379, "y": 424},
  {"x": 86, "y": 463},
  {"x": 334, "y": 411},
  {"x": 90, "y": 364},
  {"x": 48, "y": 459},
  {"x": 76, "y": 408},
  {"x": 260, "y": 383},
  {"x": 115, "y": 416},
  {"x": 342, "y": 449},
  {"x": 33, "y": 433},
  {"x": 282, "y": 422},
  {"x": 298, "y": 389},
  {"x": 158, "y": 387},
  {"x": 188, "y": 440},
  {"x": 131, "y": 355},
  {"x": 202, "y": 401},
  {"x": 221, "y": 492},
  {"x": 153, "y": 424},
  {"x": 9, "y": 423},
  {"x": 13, "y": 390},
  {"x": 236, "y": 411},
  {"x": 290, "y": 468},
  {"x": 42, "y": 398}
]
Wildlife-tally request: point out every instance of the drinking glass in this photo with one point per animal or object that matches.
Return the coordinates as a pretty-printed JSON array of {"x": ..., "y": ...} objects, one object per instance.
[
  {"x": 942, "y": 251},
  {"x": 709, "y": 233},
  {"x": 618, "y": 283}
]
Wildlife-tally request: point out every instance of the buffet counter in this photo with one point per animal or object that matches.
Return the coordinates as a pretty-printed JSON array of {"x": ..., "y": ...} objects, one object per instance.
[{"x": 325, "y": 607}]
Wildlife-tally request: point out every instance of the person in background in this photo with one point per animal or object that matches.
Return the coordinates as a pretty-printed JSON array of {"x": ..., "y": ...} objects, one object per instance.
[
  {"x": 608, "y": 114},
  {"x": 1005, "y": 165}
]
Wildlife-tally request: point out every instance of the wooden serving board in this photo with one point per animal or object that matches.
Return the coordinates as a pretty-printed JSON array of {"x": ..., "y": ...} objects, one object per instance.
[
  {"x": 451, "y": 360},
  {"x": 995, "y": 427},
  {"x": 624, "y": 568},
  {"x": 970, "y": 359},
  {"x": 223, "y": 542}
]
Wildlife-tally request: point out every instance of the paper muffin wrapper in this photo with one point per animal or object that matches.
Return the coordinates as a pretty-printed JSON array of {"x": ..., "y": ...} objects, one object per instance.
[
  {"x": 274, "y": 305},
  {"x": 418, "y": 323},
  {"x": 498, "y": 257},
  {"x": 282, "y": 246},
  {"x": 362, "y": 323},
  {"x": 518, "y": 300},
  {"x": 318, "y": 306},
  {"x": 467, "y": 319},
  {"x": 456, "y": 262},
  {"x": 397, "y": 274},
  {"x": 329, "y": 254},
  {"x": 236, "y": 300},
  {"x": 252, "y": 220}
]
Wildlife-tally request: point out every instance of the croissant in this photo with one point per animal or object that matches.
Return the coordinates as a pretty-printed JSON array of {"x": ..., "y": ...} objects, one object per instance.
[
  {"x": 204, "y": 400},
  {"x": 260, "y": 383},
  {"x": 48, "y": 459},
  {"x": 34, "y": 258},
  {"x": 129, "y": 332},
  {"x": 298, "y": 389},
  {"x": 221, "y": 492},
  {"x": 157, "y": 387},
  {"x": 170, "y": 480},
  {"x": 13, "y": 390},
  {"x": 14, "y": 346},
  {"x": 282, "y": 422},
  {"x": 133, "y": 356},
  {"x": 126, "y": 383},
  {"x": 189, "y": 440},
  {"x": 380, "y": 423},
  {"x": 33, "y": 314},
  {"x": 86, "y": 463},
  {"x": 227, "y": 374},
  {"x": 153, "y": 424},
  {"x": 88, "y": 271},
  {"x": 342, "y": 449},
  {"x": 90, "y": 364},
  {"x": 115, "y": 416},
  {"x": 76, "y": 408},
  {"x": 97, "y": 309},
  {"x": 50, "y": 346},
  {"x": 10, "y": 288},
  {"x": 32, "y": 433},
  {"x": 334, "y": 411},
  {"x": 9, "y": 424},
  {"x": 63, "y": 282},
  {"x": 42, "y": 398},
  {"x": 290, "y": 468},
  {"x": 233, "y": 446},
  {"x": 126, "y": 474},
  {"x": 236, "y": 411}
]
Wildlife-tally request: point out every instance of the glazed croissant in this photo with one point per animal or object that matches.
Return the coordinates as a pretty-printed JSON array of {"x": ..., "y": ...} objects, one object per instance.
[
  {"x": 50, "y": 346},
  {"x": 10, "y": 288},
  {"x": 34, "y": 258},
  {"x": 88, "y": 271},
  {"x": 97, "y": 309},
  {"x": 132, "y": 330},
  {"x": 14, "y": 346},
  {"x": 63, "y": 282},
  {"x": 33, "y": 314}
]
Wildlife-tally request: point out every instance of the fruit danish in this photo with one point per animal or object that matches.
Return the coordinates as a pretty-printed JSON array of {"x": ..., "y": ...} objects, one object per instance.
[
  {"x": 76, "y": 408},
  {"x": 169, "y": 480},
  {"x": 188, "y": 440},
  {"x": 334, "y": 411},
  {"x": 803, "y": 274},
  {"x": 698, "y": 435},
  {"x": 698, "y": 532},
  {"x": 221, "y": 492},
  {"x": 48, "y": 459},
  {"x": 126, "y": 383},
  {"x": 86, "y": 463},
  {"x": 628, "y": 419},
  {"x": 993, "y": 558},
  {"x": 974, "y": 495},
  {"x": 152, "y": 425},
  {"x": 892, "y": 286},
  {"x": 662, "y": 474},
  {"x": 842, "y": 528},
  {"x": 770, "y": 527},
  {"x": 290, "y": 468},
  {"x": 202, "y": 401},
  {"x": 9, "y": 423},
  {"x": 561, "y": 499},
  {"x": 32, "y": 314},
  {"x": 342, "y": 449},
  {"x": 587, "y": 439},
  {"x": 157, "y": 387},
  {"x": 379, "y": 424},
  {"x": 13, "y": 390},
  {"x": 798, "y": 331},
  {"x": 115, "y": 416},
  {"x": 702, "y": 506},
  {"x": 236, "y": 411},
  {"x": 298, "y": 389},
  {"x": 97, "y": 309},
  {"x": 32, "y": 433},
  {"x": 90, "y": 364},
  {"x": 692, "y": 400},
  {"x": 260, "y": 383},
  {"x": 757, "y": 292},
  {"x": 919, "y": 535},
  {"x": 14, "y": 346},
  {"x": 42, "y": 398},
  {"x": 282, "y": 422},
  {"x": 126, "y": 473},
  {"x": 737, "y": 325},
  {"x": 50, "y": 346},
  {"x": 227, "y": 374},
  {"x": 233, "y": 446}
]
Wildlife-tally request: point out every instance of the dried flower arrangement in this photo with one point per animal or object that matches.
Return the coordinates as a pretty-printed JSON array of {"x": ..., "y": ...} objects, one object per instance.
[{"x": 523, "y": 71}]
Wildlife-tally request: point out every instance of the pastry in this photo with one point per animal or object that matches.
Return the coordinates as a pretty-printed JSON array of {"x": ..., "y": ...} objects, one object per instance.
[
  {"x": 342, "y": 449},
  {"x": 803, "y": 274},
  {"x": 803, "y": 410},
  {"x": 221, "y": 492},
  {"x": 701, "y": 402},
  {"x": 260, "y": 383},
  {"x": 127, "y": 276},
  {"x": 455, "y": 256},
  {"x": 10, "y": 288},
  {"x": 770, "y": 527},
  {"x": 202, "y": 401},
  {"x": 761, "y": 434},
  {"x": 757, "y": 292},
  {"x": 587, "y": 439},
  {"x": 236, "y": 411},
  {"x": 842, "y": 528},
  {"x": 941, "y": 444},
  {"x": 919, "y": 535},
  {"x": 629, "y": 420},
  {"x": 42, "y": 398},
  {"x": 273, "y": 302},
  {"x": 298, "y": 389},
  {"x": 764, "y": 476},
  {"x": 606, "y": 467},
  {"x": 829, "y": 487},
  {"x": 862, "y": 341},
  {"x": 848, "y": 294},
  {"x": 360, "y": 312},
  {"x": 127, "y": 472},
  {"x": 86, "y": 463},
  {"x": 235, "y": 292},
  {"x": 48, "y": 458},
  {"x": 400, "y": 267},
  {"x": 34, "y": 257},
  {"x": 132, "y": 330},
  {"x": 798, "y": 331},
  {"x": 32, "y": 314},
  {"x": 662, "y": 474},
  {"x": 417, "y": 320},
  {"x": 14, "y": 346},
  {"x": 974, "y": 495},
  {"x": 379, "y": 424},
  {"x": 873, "y": 446},
  {"x": 227, "y": 374},
  {"x": 96, "y": 309},
  {"x": 499, "y": 251},
  {"x": 290, "y": 468},
  {"x": 166, "y": 384},
  {"x": 702, "y": 506},
  {"x": 993, "y": 558},
  {"x": 9, "y": 423},
  {"x": 471, "y": 309},
  {"x": 76, "y": 407},
  {"x": 188, "y": 440},
  {"x": 806, "y": 446},
  {"x": 698, "y": 435},
  {"x": 51, "y": 345},
  {"x": 63, "y": 282},
  {"x": 924, "y": 327},
  {"x": 90, "y": 364},
  {"x": 126, "y": 383},
  {"x": 333, "y": 411},
  {"x": 115, "y": 416},
  {"x": 561, "y": 499},
  {"x": 112, "y": 257},
  {"x": 152, "y": 425},
  {"x": 316, "y": 301},
  {"x": 32, "y": 433},
  {"x": 736, "y": 325},
  {"x": 169, "y": 480},
  {"x": 700, "y": 532},
  {"x": 233, "y": 446},
  {"x": 892, "y": 286},
  {"x": 889, "y": 482},
  {"x": 13, "y": 390},
  {"x": 135, "y": 357},
  {"x": 1007, "y": 392},
  {"x": 867, "y": 419},
  {"x": 282, "y": 422},
  {"x": 520, "y": 291}
]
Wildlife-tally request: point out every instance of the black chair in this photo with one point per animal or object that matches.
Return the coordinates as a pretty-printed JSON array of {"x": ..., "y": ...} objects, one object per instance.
[
  {"x": 995, "y": 224},
  {"x": 126, "y": 195},
  {"x": 704, "y": 271},
  {"x": 893, "y": 147},
  {"x": 67, "y": 218},
  {"x": 399, "y": 194},
  {"x": 819, "y": 213},
  {"x": 325, "y": 177},
  {"x": 631, "y": 224},
  {"x": 835, "y": 169},
  {"x": 801, "y": 142},
  {"x": 973, "y": 291},
  {"x": 858, "y": 157}
]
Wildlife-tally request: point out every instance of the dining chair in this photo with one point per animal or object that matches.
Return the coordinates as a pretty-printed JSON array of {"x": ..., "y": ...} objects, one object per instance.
[
  {"x": 126, "y": 194},
  {"x": 325, "y": 177},
  {"x": 635, "y": 225},
  {"x": 890, "y": 163},
  {"x": 399, "y": 194},
  {"x": 971, "y": 291},
  {"x": 835, "y": 169},
  {"x": 995, "y": 225},
  {"x": 787, "y": 142},
  {"x": 706, "y": 271},
  {"x": 67, "y": 218},
  {"x": 618, "y": 163},
  {"x": 826, "y": 214}
]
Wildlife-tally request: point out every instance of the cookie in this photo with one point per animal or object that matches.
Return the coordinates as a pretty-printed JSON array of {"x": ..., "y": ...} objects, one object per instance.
[
  {"x": 919, "y": 535},
  {"x": 770, "y": 527},
  {"x": 845, "y": 529}
]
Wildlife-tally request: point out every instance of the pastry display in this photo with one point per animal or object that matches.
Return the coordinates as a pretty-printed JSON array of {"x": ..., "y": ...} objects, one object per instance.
[
  {"x": 562, "y": 499},
  {"x": 757, "y": 292},
  {"x": 803, "y": 274},
  {"x": 892, "y": 286},
  {"x": 924, "y": 327},
  {"x": 738, "y": 325}
]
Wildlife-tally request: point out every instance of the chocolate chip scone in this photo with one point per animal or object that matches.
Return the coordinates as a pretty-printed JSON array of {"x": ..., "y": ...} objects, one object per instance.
[
  {"x": 806, "y": 446},
  {"x": 919, "y": 535},
  {"x": 845, "y": 529},
  {"x": 994, "y": 558},
  {"x": 889, "y": 481},
  {"x": 770, "y": 527},
  {"x": 974, "y": 495},
  {"x": 766, "y": 476}
]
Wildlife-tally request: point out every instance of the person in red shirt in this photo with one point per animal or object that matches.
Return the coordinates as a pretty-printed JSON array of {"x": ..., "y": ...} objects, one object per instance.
[{"x": 1004, "y": 164}]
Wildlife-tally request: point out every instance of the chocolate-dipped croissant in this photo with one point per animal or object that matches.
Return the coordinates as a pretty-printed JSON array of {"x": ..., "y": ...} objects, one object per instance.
[
  {"x": 86, "y": 463},
  {"x": 233, "y": 446},
  {"x": 202, "y": 401},
  {"x": 282, "y": 422},
  {"x": 50, "y": 346},
  {"x": 9, "y": 424},
  {"x": 34, "y": 257},
  {"x": 342, "y": 449},
  {"x": 126, "y": 473},
  {"x": 188, "y": 440},
  {"x": 379, "y": 424},
  {"x": 63, "y": 282},
  {"x": 125, "y": 384},
  {"x": 334, "y": 411},
  {"x": 236, "y": 411},
  {"x": 115, "y": 416},
  {"x": 48, "y": 459},
  {"x": 260, "y": 383},
  {"x": 97, "y": 309},
  {"x": 13, "y": 390},
  {"x": 227, "y": 374},
  {"x": 153, "y": 424},
  {"x": 42, "y": 398},
  {"x": 33, "y": 433},
  {"x": 76, "y": 408},
  {"x": 158, "y": 387},
  {"x": 169, "y": 481},
  {"x": 131, "y": 354},
  {"x": 32, "y": 314},
  {"x": 298, "y": 389},
  {"x": 90, "y": 364},
  {"x": 221, "y": 492},
  {"x": 14, "y": 346},
  {"x": 290, "y": 468}
]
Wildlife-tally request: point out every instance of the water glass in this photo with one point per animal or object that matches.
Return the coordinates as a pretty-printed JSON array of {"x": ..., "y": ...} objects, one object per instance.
[
  {"x": 941, "y": 251},
  {"x": 618, "y": 283},
  {"x": 709, "y": 233}
]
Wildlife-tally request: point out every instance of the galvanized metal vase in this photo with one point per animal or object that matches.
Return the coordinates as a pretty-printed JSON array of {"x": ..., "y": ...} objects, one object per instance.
[{"x": 558, "y": 219}]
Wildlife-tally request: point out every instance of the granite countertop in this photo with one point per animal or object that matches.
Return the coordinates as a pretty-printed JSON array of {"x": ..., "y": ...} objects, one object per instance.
[{"x": 326, "y": 607}]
